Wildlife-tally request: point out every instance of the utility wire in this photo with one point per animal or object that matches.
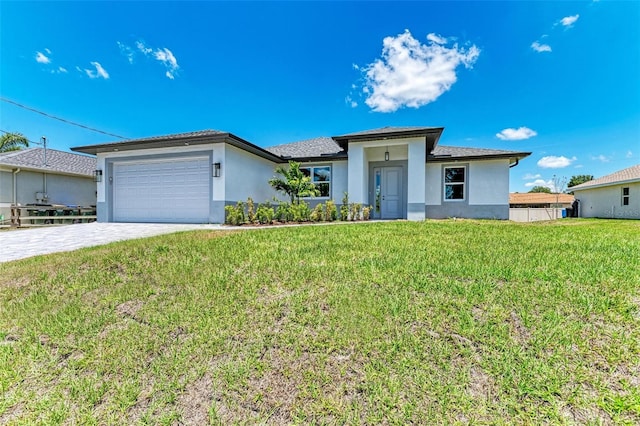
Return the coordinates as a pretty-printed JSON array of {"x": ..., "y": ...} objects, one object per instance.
[{"x": 60, "y": 119}]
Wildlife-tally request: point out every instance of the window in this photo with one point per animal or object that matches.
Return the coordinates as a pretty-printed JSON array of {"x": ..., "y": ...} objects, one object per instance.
[
  {"x": 454, "y": 180},
  {"x": 321, "y": 178},
  {"x": 625, "y": 196}
]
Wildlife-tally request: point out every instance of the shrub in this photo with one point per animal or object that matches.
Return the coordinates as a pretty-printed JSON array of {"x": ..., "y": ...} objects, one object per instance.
[
  {"x": 265, "y": 213},
  {"x": 300, "y": 212},
  {"x": 366, "y": 212},
  {"x": 284, "y": 213},
  {"x": 235, "y": 214},
  {"x": 354, "y": 211},
  {"x": 330, "y": 211},
  {"x": 251, "y": 216},
  {"x": 317, "y": 214},
  {"x": 344, "y": 208}
]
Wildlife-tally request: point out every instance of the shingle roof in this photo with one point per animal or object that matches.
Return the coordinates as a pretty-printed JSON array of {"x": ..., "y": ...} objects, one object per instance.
[
  {"x": 540, "y": 198},
  {"x": 444, "y": 152},
  {"x": 57, "y": 161},
  {"x": 316, "y": 147},
  {"x": 186, "y": 135},
  {"x": 388, "y": 129},
  {"x": 630, "y": 174}
]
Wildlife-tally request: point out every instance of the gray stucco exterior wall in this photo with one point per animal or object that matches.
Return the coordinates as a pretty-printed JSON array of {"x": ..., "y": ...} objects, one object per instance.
[{"x": 463, "y": 210}]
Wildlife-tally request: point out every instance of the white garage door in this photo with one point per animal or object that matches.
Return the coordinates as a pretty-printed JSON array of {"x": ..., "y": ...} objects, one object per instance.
[{"x": 175, "y": 190}]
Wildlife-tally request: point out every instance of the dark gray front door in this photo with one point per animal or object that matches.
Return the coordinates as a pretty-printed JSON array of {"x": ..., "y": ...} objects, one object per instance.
[{"x": 388, "y": 192}]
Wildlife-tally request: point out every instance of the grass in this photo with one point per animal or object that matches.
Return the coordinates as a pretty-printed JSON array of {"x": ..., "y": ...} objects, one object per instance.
[{"x": 438, "y": 322}]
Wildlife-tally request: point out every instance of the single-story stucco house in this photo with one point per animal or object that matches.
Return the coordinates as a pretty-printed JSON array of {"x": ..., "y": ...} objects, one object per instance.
[
  {"x": 613, "y": 196},
  {"x": 36, "y": 176},
  {"x": 401, "y": 171}
]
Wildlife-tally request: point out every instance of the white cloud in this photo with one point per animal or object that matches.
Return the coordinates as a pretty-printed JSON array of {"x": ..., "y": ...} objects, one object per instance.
[
  {"x": 531, "y": 176},
  {"x": 351, "y": 102},
  {"x": 568, "y": 21},
  {"x": 62, "y": 69},
  {"x": 540, "y": 47},
  {"x": 540, "y": 182},
  {"x": 165, "y": 56},
  {"x": 143, "y": 48},
  {"x": 516, "y": 134},
  {"x": 411, "y": 74},
  {"x": 629, "y": 154},
  {"x": 126, "y": 51},
  {"x": 41, "y": 58},
  {"x": 553, "y": 162},
  {"x": 99, "y": 72},
  {"x": 47, "y": 50},
  {"x": 436, "y": 38},
  {"x": 601, "y": 158},
  {"x": 355, "y": 66}
]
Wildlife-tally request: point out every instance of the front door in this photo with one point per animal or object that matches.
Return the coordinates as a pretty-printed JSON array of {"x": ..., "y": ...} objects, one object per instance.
[{"x": 388, "y": 192}]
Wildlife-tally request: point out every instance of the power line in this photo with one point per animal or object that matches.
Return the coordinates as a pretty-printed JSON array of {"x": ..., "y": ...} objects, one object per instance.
[{"x": 60, "y": 119}]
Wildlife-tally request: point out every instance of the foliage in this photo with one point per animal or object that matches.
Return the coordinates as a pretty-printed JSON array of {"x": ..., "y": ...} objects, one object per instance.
[
  {"x": 366, "y": 212},
  {"x": 344, "y": 208},
  {"x": 251, "y": 215},
  {"x": 354, "y": 211},
  {"x": 540, "y": 189},
  {"x": 436, "y": 322},
  {"x": 330, "y": 211},
  {"x": 293, "y": 182},
  {"x": 578, "y": 179},
  {"x": 317, "y": 214},
  {"x": 265, "y": 213},
  {"x": 13, "y": 142},
  {"x": 235, "y": 214},
  {"x": 300, "y": 212},
  {"x": 284, "y": 213}
]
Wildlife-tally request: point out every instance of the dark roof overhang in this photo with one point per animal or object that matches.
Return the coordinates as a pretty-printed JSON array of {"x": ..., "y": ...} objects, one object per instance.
[
  {"x": 431, "y": 135},
  {"x": 179, "y": 140}
]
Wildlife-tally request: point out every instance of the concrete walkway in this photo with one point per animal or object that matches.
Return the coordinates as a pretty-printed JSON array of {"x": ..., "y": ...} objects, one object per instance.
[{"x": 23, "y": 243}]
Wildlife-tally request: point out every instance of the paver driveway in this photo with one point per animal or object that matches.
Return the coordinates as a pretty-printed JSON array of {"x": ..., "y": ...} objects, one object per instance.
[{"x": 23, "y": 243}]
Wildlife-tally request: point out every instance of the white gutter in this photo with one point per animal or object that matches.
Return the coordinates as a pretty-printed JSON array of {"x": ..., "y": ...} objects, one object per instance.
[{"x": 15, "y": 192}]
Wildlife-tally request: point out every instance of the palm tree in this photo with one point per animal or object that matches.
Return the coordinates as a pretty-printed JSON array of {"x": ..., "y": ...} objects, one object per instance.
[
  {"x": 13, "y": 142},
  {"x": 293, "y": 182}
]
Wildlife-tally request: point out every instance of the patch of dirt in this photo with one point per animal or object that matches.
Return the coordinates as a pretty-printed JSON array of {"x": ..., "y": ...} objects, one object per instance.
[
  {"x": 590, "y": 415},
  {"x": 135, "y": 412},
  {"x": 481, "y": 384},
  {"x": 196, "y": 401},
  {"x": 12, "y": 414},
  {"x": 518, "y": 330},
  {"x": 130, "y": 308},
  {"x": 16, "y": 283},
  {"x": 478, "y": 314}
]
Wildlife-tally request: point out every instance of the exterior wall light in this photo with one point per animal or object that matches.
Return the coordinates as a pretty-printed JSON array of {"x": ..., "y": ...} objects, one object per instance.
[
  {"x": 97, "y": 175},
  {"x": 216, "y": 169},
  {"x": 386, "y": 155}
]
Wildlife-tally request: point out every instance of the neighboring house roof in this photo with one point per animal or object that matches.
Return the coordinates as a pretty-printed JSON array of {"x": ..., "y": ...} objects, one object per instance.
[
  {"x": 311, "y": 149},
  {"x": 540, "y": 198},
  {"x": 628, "y": 175},
  {"x": 56, "y": 162}
]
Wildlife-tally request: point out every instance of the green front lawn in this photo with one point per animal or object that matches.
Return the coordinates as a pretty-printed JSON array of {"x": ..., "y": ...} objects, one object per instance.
[{"x": 436, "y": 322}]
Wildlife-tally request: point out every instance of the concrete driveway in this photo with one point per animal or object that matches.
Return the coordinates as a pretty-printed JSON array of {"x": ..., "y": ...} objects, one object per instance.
[{"x": 23, "y": 243}]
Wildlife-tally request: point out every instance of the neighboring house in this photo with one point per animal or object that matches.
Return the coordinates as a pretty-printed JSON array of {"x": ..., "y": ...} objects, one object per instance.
[
  {"x": 30, "y": 177},
  {"x": 534, "y": 206},
  {"x": 400, "y": 171},
  {"x": 540, "y": 200},
  {"x": 613, "y": 196}
]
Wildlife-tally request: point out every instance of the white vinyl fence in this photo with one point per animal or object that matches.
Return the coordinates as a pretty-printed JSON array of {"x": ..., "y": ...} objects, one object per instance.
[{"x": 533, "y": 215}]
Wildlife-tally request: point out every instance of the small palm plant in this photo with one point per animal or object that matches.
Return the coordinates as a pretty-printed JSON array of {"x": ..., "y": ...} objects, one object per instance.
[
  {"x": 13, "y": 142},
  {"x": 293, "y": 182}
]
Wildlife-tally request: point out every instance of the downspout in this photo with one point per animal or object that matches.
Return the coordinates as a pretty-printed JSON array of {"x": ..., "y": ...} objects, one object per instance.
[
  {"x": 15, "y": 191},
  {"x": 514, "y": 164}
]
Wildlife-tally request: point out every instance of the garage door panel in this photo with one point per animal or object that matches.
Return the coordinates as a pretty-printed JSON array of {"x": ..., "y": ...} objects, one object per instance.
[{"x": 162, "y": 191}]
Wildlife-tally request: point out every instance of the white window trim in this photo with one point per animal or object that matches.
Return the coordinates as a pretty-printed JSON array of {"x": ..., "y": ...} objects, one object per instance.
[
  {"x": 464, "y": 183},
  {"x": 330, "y": 181},
  {"x": 628, "y": 196}
]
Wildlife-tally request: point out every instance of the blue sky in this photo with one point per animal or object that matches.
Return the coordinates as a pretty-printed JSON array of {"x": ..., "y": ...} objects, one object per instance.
[{"x": 559, "y": 79}]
